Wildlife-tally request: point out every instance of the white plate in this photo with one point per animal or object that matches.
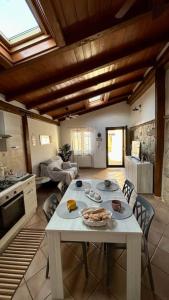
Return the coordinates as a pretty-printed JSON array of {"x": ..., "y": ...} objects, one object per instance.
[
  {"x": 64, "y": 213},
  {"x": 93, "y": 199},
  {"x": 113, "y": 187},
  {"x": 95, "y": 223}
]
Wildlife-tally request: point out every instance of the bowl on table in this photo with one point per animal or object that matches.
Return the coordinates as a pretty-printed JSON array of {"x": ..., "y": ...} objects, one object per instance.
[
  {"x": 79, "y": 183},
  {"x": 107, "y": 183}
]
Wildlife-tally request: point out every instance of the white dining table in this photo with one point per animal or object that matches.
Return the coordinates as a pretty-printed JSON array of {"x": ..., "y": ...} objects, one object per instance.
[{"x": 118, "y": 231}]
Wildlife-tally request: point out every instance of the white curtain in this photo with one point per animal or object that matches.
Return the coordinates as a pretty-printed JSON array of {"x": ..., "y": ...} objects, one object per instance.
[{"x": 81, "y": 141}]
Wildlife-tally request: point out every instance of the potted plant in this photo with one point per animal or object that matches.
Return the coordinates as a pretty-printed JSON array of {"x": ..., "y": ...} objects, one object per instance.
[{"x": 65, "y": 152}]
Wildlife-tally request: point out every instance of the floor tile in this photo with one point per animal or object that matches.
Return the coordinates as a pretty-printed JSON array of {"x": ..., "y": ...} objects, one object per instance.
[
  {"x": 22, "y": 293},
  {"x": 166, "y": 232},
  {"x": 38, "y": 263},
  {"x": 161, "y": 260},
  {"x": 147, "y": 294},
  {"x": 117, "y": 285},
  {"x": 158, "y": 226},
  {"x": 154, "y": 237},
  {"x": 80, "y": 287},
  {"x": 101, "y": 293},
  {"x": 162, "y": 215},
  {"x": 34, "y": 220},
  {"x": 69, "y": 261},
  {"x": 151, "y": 249},
  {"x": 97, "y": 263},
  {"x": 161, "y": 283},
  {"x": 164, "y": 244},
  {"x": 39, "y": 286},
  {"x": 67, "y": 295}
]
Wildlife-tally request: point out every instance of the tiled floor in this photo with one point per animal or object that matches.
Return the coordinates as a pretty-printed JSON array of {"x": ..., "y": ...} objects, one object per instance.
[{"x": 36, "y": 287}]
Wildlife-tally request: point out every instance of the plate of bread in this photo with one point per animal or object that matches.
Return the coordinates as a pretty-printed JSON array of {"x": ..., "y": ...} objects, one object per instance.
[{"x": 95, "y": 216}]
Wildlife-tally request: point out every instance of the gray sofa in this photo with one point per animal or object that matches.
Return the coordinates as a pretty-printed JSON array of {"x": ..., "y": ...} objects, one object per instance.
[{"x": 58, "y": 170}]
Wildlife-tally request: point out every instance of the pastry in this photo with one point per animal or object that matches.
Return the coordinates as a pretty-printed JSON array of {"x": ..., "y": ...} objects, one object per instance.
[
  {"x": 71, "y": 205},
  {"x": 97, "y": 214}
]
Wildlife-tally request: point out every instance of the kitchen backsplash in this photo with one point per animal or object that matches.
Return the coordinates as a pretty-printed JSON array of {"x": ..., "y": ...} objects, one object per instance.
[{"x": 14, "y": 157}]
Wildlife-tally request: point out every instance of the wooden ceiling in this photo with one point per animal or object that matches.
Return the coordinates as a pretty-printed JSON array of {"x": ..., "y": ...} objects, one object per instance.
[{"x": 91, "y": 53}]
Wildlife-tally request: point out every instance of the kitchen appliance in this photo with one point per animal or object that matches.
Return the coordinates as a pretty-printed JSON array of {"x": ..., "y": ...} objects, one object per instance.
[
  {"x": 12, "y": 209},
  {"x": 4, "y": 184}
]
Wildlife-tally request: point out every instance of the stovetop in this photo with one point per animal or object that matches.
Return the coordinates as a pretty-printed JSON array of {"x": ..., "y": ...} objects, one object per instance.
[{"x": 4, "y": 184}]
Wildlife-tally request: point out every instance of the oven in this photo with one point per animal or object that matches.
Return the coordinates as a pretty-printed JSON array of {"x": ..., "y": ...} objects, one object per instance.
[{"x": 12, "y": 209}]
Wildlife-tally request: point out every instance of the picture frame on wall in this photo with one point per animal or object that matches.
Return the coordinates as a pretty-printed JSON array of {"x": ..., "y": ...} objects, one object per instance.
[{"x": 44, "y": 139}]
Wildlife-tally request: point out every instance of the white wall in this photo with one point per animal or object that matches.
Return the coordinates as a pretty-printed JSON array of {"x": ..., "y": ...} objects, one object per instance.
[
  {"x": 40, "y": 152},
  {"x": 147, "y": 113},
  {"x": 112, "y": 116}
]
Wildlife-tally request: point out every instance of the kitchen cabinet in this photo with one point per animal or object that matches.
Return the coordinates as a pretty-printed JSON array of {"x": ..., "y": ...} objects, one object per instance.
[
  {"x": 30, "y": 197},
  {"x": 140, "y": 174}
]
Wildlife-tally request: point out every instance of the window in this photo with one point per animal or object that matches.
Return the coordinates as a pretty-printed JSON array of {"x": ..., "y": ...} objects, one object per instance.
[
  {"x": 81, "y": 141},
  {"x": 17, "y": 21},
  {"x": 95, "y": 100}
]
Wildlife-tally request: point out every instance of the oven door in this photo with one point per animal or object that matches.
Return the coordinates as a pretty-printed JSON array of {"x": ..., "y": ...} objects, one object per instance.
[{"x": 11, "y": 211}]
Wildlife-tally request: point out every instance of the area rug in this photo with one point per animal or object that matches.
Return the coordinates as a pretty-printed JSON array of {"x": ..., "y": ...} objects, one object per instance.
[{"x": 16, "y": 258}]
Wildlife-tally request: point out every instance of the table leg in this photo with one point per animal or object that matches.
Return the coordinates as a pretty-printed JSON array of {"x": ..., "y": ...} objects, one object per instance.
[
  {"x": 55, "y": 265},
  {"x": 133, "y": 267}
]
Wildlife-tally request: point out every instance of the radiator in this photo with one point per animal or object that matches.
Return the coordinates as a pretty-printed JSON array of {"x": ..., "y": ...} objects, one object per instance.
[{"x": 84, "y": 160}]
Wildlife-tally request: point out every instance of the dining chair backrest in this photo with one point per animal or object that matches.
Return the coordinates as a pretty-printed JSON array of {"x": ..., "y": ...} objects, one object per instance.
[
  {"x": 127, "y": 190},
  {"x": 61, "y": 188},
  {"x": 50, "y": 205},
  {"x": 144, "y": 213}
]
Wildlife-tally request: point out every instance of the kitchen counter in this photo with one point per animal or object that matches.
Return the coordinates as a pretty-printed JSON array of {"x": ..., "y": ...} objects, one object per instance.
[
  {"x": 19, "y": 182},
  {"x": 27, "y": 188}
]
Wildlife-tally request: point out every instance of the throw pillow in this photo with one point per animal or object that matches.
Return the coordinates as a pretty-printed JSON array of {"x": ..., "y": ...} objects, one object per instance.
[
  {"x": 55, "y": 166},
  {"x": 66, "y": 165}
]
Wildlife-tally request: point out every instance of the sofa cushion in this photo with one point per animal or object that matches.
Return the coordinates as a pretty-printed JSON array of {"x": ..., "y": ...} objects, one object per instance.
[
  {"x": 66, "y": 165},
  {"x": 55, "y": 165}
]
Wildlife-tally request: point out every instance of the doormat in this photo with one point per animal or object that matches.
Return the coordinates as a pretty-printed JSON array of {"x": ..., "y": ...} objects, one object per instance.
[{"x": 16, "y": 259}]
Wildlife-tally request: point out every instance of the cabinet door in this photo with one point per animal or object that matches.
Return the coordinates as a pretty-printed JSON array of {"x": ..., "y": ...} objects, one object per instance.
[{"x": 30, "y": 199}]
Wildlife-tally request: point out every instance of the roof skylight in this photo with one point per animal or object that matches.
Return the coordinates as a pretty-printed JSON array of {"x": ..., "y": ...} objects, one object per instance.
[
  {"x": 95, "y": 100},
  {"x": 16, "y": 20}
]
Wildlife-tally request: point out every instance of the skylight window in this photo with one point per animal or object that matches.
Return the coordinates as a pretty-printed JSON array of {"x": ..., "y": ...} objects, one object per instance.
[
  {"x": 95, "y": 100},
  {"x": 17, "y": 21}
]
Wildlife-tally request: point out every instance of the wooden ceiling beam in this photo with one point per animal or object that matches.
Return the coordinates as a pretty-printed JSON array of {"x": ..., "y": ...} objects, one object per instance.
[
  {"x": 23, "y": 112},
  {"x": 149, "y": 79},
  {"x": 89, "y": 83},
  {"x": 53, "y": 24},
  {"x": 86, "y": 67},
  {"x": 76, "y": 111},
  {"x": 92, "y": 94},
  {"x": 91, "y": 109},
  {"x": 5, "y": 62},
  {"x": 144, "y": 85}
]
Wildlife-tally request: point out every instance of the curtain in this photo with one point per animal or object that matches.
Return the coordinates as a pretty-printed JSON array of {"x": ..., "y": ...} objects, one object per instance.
[{"x": 81, "y": 141}]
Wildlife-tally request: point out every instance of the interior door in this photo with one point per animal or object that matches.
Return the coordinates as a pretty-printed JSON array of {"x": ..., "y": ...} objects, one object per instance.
[{"x": 115, "y": 146}]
